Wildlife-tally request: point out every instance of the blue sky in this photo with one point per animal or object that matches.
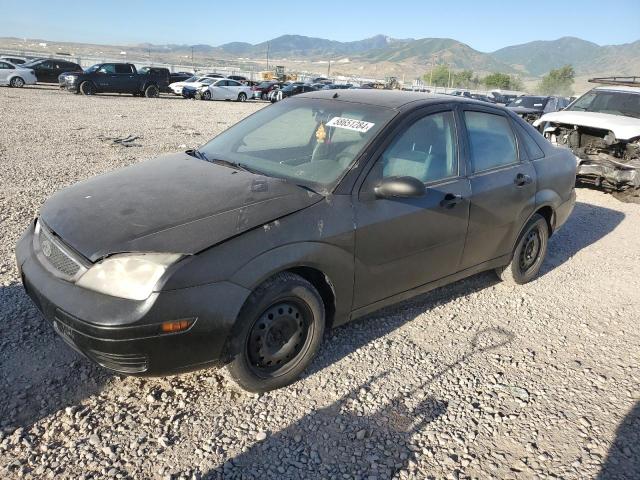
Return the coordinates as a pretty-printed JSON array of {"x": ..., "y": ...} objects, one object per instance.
[{"x": 486, "y": 25}]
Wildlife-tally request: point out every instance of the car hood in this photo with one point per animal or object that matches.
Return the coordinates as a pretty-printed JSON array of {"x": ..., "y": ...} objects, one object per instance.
[
  {"x": 624, "y": 128},
  {"x": 175, "y": 203}
]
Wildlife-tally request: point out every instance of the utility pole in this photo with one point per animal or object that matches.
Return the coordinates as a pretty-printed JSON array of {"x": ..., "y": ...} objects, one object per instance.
[
  {"x": 192, "y": 57},
  {"x": 329, "y": 69},
  {"x": 268, "y": 46},
  {"x": 449, "y": 81}
]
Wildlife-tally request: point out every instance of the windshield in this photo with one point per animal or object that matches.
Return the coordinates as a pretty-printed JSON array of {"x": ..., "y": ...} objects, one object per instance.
[
  {"x": 529, "y": 102},
  {"x": 308, "y": 141},
  {"x": 626, "y": 104},
  {"x": 31, "y": 63}
]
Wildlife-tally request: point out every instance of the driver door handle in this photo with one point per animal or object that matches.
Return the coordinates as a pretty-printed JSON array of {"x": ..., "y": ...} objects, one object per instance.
[
  {"x": 522, "y": 180},
  {"x": 450, "y": 200}
]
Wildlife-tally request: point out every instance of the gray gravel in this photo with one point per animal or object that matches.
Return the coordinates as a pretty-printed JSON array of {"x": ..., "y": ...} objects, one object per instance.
[{"x": 475, "y": 380}]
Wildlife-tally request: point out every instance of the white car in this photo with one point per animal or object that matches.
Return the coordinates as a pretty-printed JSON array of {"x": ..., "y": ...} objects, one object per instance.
[
  {"x": 194, "y": 81},
  {"x": 226, "y": 89},
  {"x": 16, "y": 76},
  {"x": 602, "y": 128}
]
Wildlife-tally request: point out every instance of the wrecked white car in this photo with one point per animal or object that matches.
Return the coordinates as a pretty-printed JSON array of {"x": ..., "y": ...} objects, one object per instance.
[{"x": 602, "y": 128}]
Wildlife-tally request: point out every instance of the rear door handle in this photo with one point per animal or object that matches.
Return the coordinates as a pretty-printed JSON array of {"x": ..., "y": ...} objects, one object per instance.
[
  {"x": 522, "y": 180},
  {"x": 450, "y": 200}
]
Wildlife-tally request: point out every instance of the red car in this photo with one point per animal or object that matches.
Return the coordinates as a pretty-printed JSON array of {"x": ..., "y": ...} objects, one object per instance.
[{"x": 263, "y": 88}]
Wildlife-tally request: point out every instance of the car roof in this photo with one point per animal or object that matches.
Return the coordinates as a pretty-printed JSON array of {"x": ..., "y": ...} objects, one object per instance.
[
  {"x": 619, "y": 88},
  {"x": 395, "y": 99}
]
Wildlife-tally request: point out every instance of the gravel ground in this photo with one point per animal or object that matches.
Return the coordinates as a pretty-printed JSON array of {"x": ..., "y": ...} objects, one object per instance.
[{"x": 475, "y": 380}]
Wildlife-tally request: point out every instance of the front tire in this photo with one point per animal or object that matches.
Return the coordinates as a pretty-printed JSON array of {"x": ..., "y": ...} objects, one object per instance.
[
  {"x": 529, "y": 253},
  {"x": 152, "y": 91},
  {"x": 16, "y": 82},
  {"x": 242, "y": 97},
  {"x": 280, "y": 329},
  {"x": 206, "y": 95},
  {"x": 86, "y": 88}
]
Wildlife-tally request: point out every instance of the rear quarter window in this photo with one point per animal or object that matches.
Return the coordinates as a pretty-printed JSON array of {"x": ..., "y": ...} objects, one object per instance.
[{"x": 531, "y": 147}]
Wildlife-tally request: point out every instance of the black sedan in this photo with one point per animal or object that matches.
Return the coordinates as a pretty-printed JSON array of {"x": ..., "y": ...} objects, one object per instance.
[
  {"x": 291, "y": 90},
  {"x": 48, "y": 70},
  {"x": 244, "y": 251},
  {"x": 531, "y": 107}
]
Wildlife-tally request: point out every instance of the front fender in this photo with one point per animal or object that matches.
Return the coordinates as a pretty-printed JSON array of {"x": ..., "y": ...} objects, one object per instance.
[{"x": 335, "y": 263}]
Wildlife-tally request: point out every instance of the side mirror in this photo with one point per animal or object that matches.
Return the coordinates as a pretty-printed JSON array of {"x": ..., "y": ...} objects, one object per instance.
[{"x": 400, "y": 187}]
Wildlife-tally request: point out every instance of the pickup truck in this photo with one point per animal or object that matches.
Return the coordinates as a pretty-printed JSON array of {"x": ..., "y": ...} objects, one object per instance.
[{"x": 116, "y": 78}]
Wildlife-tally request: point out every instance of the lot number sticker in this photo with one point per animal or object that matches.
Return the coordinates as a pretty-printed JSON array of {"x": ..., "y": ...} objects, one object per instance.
[{"x": 350, "y": 124}]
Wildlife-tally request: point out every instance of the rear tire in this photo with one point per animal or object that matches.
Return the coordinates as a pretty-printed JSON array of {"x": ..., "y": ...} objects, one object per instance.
[
  {"x": 279, "y": 331},
  {"x": 86, "y": 88},
  {"x": 16, "y": 82},
  {"x": 152, "y": 91},
  {"x": 242, "y": 97},
  {"x": 529, "y": 253}
]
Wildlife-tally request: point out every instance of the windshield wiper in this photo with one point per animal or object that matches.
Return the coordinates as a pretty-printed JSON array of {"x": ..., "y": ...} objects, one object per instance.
[
  {"x": 194, "y": 152},
  {"x": 234, "y": 165}
]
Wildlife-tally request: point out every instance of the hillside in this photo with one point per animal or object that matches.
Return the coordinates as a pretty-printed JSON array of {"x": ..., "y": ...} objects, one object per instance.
[
  {"x": 587, "y": 58},
  {"x": 374, "y": 57}
]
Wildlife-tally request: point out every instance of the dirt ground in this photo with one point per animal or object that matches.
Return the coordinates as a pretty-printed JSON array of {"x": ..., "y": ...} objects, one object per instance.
[{"x": 474, "y": 380}]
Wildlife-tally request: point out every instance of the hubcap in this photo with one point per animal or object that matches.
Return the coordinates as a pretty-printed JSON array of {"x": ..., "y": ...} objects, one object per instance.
[
  {"x": 278, "y": 336},
  {"x": 530, "y": 250}
]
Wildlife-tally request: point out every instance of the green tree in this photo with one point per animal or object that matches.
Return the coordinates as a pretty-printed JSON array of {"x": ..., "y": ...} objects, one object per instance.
[
  {"x": 438, "y": 76},
  {"x": 502, "y": 81},
  {"x": 558, "y": 82},
  {"x": 463, "y": 79}
]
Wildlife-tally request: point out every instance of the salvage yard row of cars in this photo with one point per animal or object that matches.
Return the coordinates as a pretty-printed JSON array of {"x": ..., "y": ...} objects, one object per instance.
[{"x": 601, "y": 127}]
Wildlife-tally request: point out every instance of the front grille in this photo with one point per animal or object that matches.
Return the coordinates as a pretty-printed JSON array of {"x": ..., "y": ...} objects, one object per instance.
[
  {"x": 120, "y": 362},
  {"x": 56, "y": 255}
]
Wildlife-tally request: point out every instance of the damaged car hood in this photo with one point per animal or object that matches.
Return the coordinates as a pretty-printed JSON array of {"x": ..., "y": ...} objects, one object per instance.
[
  {"x": 624, "y": 128},
  {"x": 175, "y": 203}
]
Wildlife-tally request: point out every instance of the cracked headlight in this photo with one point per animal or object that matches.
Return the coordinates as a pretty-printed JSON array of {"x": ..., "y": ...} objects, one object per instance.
[{"x": 131, "y": 276}]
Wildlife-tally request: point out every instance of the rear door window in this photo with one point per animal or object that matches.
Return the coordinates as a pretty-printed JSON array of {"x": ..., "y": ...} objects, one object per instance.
[
  {"x": 123, "y": 69},
  {"x": 492, "y": 143}
]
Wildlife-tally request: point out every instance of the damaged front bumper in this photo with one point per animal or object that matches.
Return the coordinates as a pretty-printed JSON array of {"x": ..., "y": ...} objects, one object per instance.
[{"x": 603, "y": 170}]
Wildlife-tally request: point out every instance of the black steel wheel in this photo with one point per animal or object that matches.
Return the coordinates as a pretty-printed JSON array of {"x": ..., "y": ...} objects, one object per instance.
[
  {"x": 278, "y": 336},
  {"x": 278, "y": 333},
  {"x": 529, "y": 253}
]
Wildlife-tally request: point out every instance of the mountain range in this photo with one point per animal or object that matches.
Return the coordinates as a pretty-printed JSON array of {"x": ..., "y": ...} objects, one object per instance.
[
  {"x": 379, "y": 56},
  {"x": 532, "y": 59}
]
